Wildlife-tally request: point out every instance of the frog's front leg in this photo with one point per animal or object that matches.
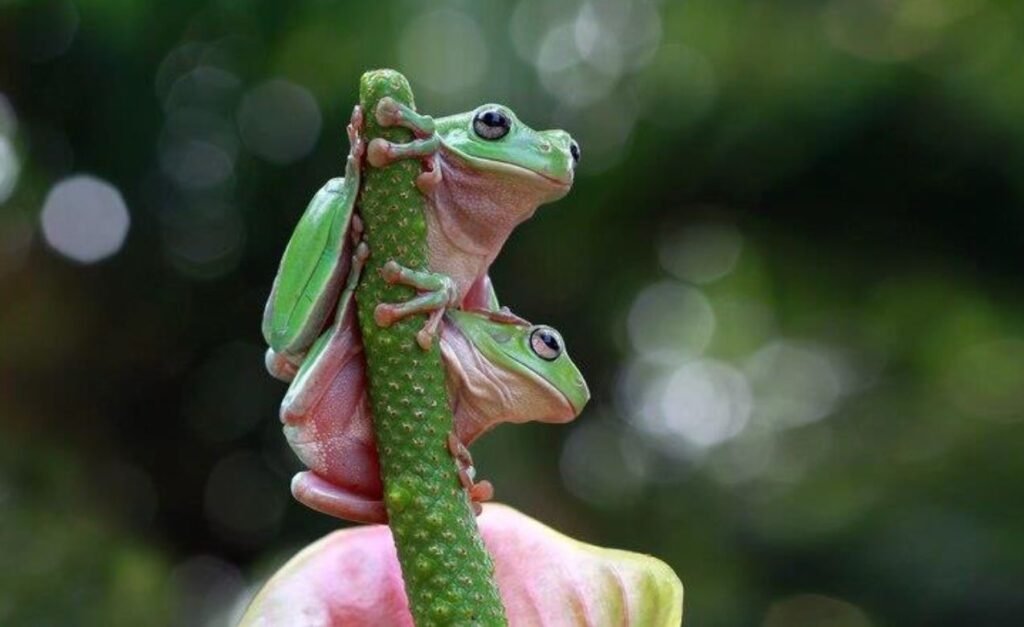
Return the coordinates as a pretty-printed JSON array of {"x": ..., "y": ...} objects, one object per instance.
[
  {"x": 381, "y": 152},
  {"x": 438, "y": 291},
  {"x": 479, "y": 492}
]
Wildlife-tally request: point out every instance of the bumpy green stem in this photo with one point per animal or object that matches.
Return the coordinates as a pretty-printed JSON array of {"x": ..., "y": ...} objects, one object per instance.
[{"x": 449, "y": 577}]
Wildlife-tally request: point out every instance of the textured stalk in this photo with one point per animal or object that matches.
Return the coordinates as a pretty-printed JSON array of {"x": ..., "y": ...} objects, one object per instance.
[{"x": 449, "y": 577}]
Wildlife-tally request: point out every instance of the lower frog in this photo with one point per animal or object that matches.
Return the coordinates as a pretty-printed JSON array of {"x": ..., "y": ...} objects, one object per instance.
[{"x": 499, "y": 368}]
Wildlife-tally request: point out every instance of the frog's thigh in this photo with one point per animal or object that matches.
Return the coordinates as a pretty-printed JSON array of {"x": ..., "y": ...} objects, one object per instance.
[{"x": 330, "y": 353}]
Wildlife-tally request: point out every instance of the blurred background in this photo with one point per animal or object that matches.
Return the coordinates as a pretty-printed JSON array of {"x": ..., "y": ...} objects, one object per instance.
[{"x": 790, "y": 270}]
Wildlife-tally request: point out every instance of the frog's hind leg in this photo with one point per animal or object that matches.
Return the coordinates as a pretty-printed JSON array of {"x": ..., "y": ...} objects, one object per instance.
[
  {"x": 330, "y": 351},
  {"x": 317, "y": 493}
]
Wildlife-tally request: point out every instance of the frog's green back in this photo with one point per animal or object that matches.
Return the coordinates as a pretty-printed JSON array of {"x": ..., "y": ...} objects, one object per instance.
[{"x": 312, "y": 270}]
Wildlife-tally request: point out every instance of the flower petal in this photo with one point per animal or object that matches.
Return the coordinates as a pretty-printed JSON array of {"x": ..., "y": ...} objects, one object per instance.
[{"x": 352, "y": 578}]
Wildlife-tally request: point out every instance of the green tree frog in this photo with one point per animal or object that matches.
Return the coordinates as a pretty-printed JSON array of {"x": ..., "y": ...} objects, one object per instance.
[
  {"x": 497, "y": 370},
  {"x": 485, "y": 173}
]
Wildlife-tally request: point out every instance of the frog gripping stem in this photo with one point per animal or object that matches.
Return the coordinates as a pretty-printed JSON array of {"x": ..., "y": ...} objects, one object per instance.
[{"x": 449, "y": 577}]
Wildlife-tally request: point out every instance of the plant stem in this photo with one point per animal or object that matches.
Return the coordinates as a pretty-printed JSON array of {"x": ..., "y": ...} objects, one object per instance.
[{"x": 449, "y": 577}]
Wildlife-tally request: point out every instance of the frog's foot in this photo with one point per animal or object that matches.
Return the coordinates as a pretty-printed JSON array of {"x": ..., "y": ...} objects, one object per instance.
[
  {"x": 381, "y": 152},
  {"x": 438, "y": 291},
  {"x": 390, "y": 112},
  {"x": 317, "y": 493},
  {"x": 479, "y": 492},
  {"x": 357, "y": 145},
  {"x": 355, "y": 231},
  {"x": 279, "y": 366}
]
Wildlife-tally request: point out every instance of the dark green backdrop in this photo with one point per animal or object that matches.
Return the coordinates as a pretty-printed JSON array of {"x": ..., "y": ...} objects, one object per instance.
[{"x": 790, "y": 269}]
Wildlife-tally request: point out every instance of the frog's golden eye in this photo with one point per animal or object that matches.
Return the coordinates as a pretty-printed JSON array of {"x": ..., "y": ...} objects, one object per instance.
[
  {"x": 546, "y": 343},
  {"x": 491, "y": 124}
]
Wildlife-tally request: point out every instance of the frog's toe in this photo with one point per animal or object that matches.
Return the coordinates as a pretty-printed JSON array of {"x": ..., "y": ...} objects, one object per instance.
[
  {"x": 428, "y": 180},
  {"x": 388, "y": 113},
  {"x": 482, "y": 492},
  {"x": 391, "y": 271},
  {"x": 279, "y": 366}
]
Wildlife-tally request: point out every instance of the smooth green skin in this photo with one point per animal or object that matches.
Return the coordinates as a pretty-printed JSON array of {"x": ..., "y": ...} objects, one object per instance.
[
  {"x": 313, "y": 265},
  {"x": 542, "y": 152},
  {"x": 312, "y": 269},
  {"x": 507, "y": 346}
]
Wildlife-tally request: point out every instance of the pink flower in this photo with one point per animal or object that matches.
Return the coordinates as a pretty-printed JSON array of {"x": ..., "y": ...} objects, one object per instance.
[{"x": 351, "y": 577}]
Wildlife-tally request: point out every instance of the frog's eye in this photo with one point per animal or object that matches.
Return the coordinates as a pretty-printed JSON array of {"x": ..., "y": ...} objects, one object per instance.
[
  {"x": 546, "y": 343},
  {"x": 491, "y": 124},
  {"x": 574, "y": 150}
]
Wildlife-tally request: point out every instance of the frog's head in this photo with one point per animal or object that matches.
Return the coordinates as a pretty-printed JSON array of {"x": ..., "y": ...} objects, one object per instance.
[
  {"x": 492, "y": 140},
  {"x": 541, "y": 350},
  {"x": 545, "y": 382}
]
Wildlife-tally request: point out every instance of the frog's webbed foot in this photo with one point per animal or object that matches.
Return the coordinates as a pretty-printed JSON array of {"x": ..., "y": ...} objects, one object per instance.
[
  {"x": 318, "y": 493},
  {"x": 381, "y": 152},
  {"x": 438, "y": 291},
  {"x": 479, "y": 492}
]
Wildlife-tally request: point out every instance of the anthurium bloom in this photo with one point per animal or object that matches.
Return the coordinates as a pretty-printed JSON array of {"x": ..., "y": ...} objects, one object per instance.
[{"x": 352, "y": 578}]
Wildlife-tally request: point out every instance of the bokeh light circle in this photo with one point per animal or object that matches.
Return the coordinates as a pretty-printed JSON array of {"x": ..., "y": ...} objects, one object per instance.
[
  {"x": 671, "y": 321},
  {"x": 279, "y": 121},
  {"x": 10, "y": 168},
  {"x": 85, "y": 218},
  {"x": 444, "y": 51}
]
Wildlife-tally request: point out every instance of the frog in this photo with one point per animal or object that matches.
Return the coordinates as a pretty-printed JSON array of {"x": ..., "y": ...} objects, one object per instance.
[
  {"x": 484, "y": 173},
  {"x": 498, "y": 369}
]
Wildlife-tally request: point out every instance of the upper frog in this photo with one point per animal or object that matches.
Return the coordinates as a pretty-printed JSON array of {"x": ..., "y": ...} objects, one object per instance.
[{"x": 485, "y": 172}]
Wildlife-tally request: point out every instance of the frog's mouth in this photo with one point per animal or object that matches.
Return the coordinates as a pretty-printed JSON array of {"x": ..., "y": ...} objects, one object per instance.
[
  {"x": 561, "y": 183},
  {"x": 572, "y": 406}
]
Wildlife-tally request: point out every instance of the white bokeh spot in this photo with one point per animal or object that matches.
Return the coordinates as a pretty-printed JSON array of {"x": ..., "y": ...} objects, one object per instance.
[{"x": 85, "y": 219}]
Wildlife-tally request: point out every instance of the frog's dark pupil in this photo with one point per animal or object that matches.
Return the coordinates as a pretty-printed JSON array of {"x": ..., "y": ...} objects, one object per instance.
[
  {"x": 549, "y": 340},
  {"x": 574, "y": 150},
  {"x": 493, "y": 118}
]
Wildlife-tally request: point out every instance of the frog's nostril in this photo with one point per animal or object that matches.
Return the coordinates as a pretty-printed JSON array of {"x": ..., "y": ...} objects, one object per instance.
[{"x": 574, "y": 150}]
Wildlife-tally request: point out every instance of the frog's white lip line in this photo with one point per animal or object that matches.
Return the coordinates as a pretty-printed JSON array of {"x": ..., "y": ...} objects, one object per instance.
[{"x": 495, "y": 164}]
